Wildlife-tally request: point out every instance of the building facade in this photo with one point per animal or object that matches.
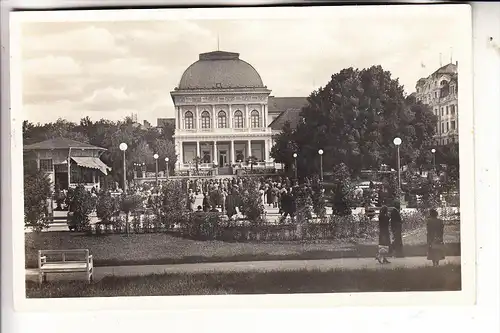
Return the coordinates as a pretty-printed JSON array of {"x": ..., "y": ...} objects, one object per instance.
[
  {"x": 67, "y": 163},
  {"x": 221, "y": 113},
  {"x": 440, "y": 92}
]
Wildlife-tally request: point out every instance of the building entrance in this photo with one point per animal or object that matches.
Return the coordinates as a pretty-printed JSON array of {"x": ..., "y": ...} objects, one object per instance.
[{"x": 222, "y": 158}]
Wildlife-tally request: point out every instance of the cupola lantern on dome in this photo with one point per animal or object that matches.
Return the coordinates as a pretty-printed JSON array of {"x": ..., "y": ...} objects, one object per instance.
[{"x": 220, "y": 70}]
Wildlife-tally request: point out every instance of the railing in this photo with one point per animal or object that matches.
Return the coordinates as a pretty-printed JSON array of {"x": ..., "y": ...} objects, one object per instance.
[{"x": 229, "y": 130}]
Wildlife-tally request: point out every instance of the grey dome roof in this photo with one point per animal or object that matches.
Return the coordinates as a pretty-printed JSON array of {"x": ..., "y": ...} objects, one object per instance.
[{"x": 222, "y": 70}]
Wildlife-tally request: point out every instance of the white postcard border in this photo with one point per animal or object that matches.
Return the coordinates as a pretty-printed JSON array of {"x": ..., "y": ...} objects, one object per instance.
[{"x": 466, "y": 128}]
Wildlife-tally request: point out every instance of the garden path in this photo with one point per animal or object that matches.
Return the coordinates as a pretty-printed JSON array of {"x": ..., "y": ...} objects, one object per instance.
[{"x": 249, "y": 266}]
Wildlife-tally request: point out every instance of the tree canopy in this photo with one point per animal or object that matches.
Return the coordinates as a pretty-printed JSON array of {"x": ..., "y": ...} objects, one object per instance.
[
  {"x": 142, "y": 142},
  {"x": 354, "y": 119}
]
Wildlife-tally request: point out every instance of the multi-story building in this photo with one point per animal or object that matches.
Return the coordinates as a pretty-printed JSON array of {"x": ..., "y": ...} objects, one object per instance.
[
  {"x": 440, "y": 92},
  {"x": 222, "y": 114}
]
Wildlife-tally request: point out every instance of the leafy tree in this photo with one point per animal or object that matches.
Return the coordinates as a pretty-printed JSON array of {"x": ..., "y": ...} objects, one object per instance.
[
  {"x": 354, "y": 119},
  {"x": 36, "y": 193},
  {"x": 284, "y": 147},
  {"x": 164, "y": 149}
]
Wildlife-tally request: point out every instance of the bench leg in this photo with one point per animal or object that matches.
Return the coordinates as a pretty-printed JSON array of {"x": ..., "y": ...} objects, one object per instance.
[{"x": 40, "y": 278}]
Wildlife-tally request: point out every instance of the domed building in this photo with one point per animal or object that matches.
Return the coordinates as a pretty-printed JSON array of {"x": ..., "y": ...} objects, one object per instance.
[{"x": 221, "y": 114}]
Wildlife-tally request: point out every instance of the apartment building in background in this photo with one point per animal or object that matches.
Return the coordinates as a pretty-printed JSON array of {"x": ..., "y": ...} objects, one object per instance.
[{"x": 440, "y": 91}]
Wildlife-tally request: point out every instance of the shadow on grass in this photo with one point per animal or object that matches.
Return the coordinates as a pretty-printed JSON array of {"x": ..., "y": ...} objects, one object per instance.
[
  {"x": 443, "y": 278},
  {"x": 357, "y": 251}
]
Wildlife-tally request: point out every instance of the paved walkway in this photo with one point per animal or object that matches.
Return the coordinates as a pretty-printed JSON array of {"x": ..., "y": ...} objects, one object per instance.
[{"x": 248, "y": 266}]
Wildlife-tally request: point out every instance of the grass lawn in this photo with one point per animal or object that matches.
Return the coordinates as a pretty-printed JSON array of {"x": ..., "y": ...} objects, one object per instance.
[
  {"x": 443, "y": 278},
  {"x": 148, "y": 249}
]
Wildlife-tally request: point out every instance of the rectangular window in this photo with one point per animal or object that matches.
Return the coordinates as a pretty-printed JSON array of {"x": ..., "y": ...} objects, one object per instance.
[
  {"x": 442, "y": 112},
  {"x": 447, "y": 127},
  {"x": 46, "y": 165},
  {"x": 446, "y": 110},
  {"x": 442, "y": 127},
  {"x": 435, "y": 94},
  {"x": 452, "y": 110},
  {"x": 453, "y": 125}
]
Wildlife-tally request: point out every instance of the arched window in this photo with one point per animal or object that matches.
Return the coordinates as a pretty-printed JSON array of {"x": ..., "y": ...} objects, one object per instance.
[
  {"x": 255, "y": 119},
  {"x": 222, "y": 120},
  {"x": 238, "y": 119},
  {"x": 188, "y": 120},
  {"x": 205, "y": 119}
]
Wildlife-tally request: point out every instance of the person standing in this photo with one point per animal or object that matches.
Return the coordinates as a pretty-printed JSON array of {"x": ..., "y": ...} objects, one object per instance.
[
  {"x": 397, "y": 228},
  {"x": 206, "y": 203},
  {"x": 232, "y": 201},
  {"x": 435, "y": 241},
  {"x": 191, "y": 200},
  {"x": 384, "y": 237}
]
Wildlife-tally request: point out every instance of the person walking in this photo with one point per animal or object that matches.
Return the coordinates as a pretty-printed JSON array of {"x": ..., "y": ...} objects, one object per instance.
[
  {"x": 384, "y": 237},
  {"x": 397, "y": 228},
  {"x": 435, "y": 241}
]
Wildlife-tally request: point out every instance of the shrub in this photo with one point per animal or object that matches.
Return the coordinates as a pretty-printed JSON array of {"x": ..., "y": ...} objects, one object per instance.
[
  {"x": 304, "y": 205},
  {"x": 352, "y": 226},
  {"x": 173, "y": 209},
  {"x": 81, "y": 204},
  {"x": 36, "y": 192},
  {"x": 412, "y": 220},
  {"x": 318, "y": 199},
  {"x": 203, "y": 225},
  {"x": 341, "y": 206},
  {"x": 252, "y": 206},
  {"x": 131, "y": 204},
  {"x": 106, "y": 208}
]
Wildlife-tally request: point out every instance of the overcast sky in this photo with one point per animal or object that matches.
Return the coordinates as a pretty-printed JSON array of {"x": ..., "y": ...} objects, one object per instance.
[{"x": 111, "y": 69}]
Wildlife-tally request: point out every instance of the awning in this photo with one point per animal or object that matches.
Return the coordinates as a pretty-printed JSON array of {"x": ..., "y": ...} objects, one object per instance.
[{"x": 92, "y": 163}]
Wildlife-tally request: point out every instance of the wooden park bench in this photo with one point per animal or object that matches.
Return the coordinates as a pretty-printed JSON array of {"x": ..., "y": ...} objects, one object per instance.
[{"x": 64, "y": 261}]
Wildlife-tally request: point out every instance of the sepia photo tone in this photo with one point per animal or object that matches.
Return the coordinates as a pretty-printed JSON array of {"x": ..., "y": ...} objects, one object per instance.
[{"x": 242, "y": 155}]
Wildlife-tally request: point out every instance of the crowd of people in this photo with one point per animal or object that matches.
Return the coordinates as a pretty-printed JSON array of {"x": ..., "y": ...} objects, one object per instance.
[
  {"x": 223, "y": 195},
  {"x": 276, "y": 192}
]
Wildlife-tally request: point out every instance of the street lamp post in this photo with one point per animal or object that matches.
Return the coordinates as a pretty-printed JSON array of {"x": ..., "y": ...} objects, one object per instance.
[
  {"x": 123, "y": 148},
  {"x": 166, "y": 164},
  {"x": 320, "y": 152},
  {"x": 397, "y": 141},
  {"x": 295, "y": 163},
  {"x": 433, "y": 151},
  {"x": 155, "y": 156}
]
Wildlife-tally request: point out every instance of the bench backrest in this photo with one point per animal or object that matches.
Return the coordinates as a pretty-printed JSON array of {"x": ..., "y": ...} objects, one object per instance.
[{"x": 62, "y": 255}]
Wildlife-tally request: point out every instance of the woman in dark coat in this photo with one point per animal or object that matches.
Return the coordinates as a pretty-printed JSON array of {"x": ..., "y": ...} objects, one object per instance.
[
  {"x": 206, "y": 203},
  {"x": 232, "y": 201},
  {"x": 397, "y": 228},
  {"x": 435, "y": 242},
  {"x": 384, "y": 238}
]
